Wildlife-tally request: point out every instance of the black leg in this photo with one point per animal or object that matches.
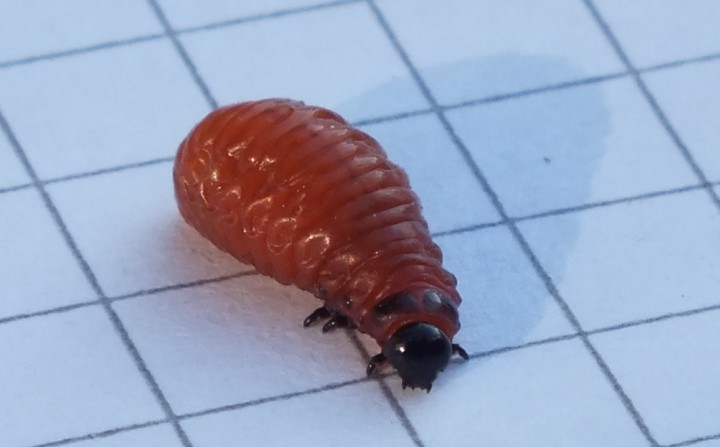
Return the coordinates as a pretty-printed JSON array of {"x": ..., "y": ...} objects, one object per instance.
[
  {"x": 375, "y": 362},
  {"x": 457, "y": 349},
  {"x": 336, "y": 322},
  {"x": 318, "y": 314}
]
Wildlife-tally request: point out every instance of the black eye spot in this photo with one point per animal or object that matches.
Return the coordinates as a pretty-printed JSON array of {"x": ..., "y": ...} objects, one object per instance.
[
  {"x": 435, "y": 301},
  {"x": 450, "y": 307},
  {"x": 401, "y": 303},
  {"x": 452, "y": 278}
]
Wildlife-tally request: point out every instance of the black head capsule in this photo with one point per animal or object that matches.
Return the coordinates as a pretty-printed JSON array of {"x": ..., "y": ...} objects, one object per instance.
[{"x": 418, "y": 351}]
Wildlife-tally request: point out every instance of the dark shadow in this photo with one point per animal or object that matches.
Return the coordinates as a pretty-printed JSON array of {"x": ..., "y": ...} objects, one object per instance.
[{"x": 539, "y": 152}]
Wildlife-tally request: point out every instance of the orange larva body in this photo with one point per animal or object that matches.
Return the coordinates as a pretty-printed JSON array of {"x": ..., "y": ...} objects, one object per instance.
[{"x": 309, "y": 200}]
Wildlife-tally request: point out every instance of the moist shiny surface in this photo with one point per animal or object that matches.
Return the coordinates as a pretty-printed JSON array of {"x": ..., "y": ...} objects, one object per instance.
[{"x": 306, "y": 198}]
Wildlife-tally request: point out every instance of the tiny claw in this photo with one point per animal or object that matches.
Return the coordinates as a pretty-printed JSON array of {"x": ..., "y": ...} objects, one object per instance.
[
  {"x": 336, "y": 322},
  {"x": 429, "y": 387},
  {"x": 319, "y": 313},
  {"x": 404, "y": 384},
  {"x": 457, "y": 349},
  {"x": 374, "y": 362}
]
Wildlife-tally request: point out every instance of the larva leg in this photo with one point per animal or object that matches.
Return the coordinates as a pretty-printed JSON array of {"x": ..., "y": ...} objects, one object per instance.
[
  {"x": 457, "y": 349},
  {"x": 375, "y": 362},
  {"x": 337, "y": 321},
  {"x": 318, "y": 314}
]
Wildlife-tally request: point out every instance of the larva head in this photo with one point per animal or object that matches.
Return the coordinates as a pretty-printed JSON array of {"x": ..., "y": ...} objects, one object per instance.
[{"x": 418, "y": 351}]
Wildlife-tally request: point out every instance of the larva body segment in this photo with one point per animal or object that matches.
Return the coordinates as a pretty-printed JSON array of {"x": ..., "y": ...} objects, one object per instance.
[{"x": 309, "y": 200}]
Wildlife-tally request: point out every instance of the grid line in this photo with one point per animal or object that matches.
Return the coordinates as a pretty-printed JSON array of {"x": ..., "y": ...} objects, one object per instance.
[
  {"x": 111, "y": 170},
  {"x": 612, "y": 202},
  {"x": 467, "y": 229},
  {"x": 570, "y": 315},
  {"x": 210, "y": 411},
  {"x": 264, "y": 16},
  {"x": 81, "y": 50},
  {"x": 482, "y": 179},
  {"x": 189, "y": 64},
  {"x": 145, "y": 371},
  {"x": 535, "y": 90},
  {"x": 102, "y": 434},
  {"x": 92, "y": 279},
  {"x": 275, "y": 398},
  {"x": 389, "y": 396},
  {"x": 392, "y": 117},
  {"x": 656, "y": 319},
  {"x": 697, "y": 440},
  {"x": 662, "y": 117},
  {"x": 137, "y": 293},
  {"x": 679, "y": 63},
  {"x": 497, "y": 98},
  {"x": 49, "y": 205},
  {"x": 186, "y": 285},
  {"x": 49, "y": 311},
  {"x": 16, "y": 188},
  {"x": 577, "y": 208}
]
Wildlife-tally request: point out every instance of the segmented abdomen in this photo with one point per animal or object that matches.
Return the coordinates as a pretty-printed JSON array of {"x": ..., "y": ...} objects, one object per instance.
[{"x": 308, "y": 199}]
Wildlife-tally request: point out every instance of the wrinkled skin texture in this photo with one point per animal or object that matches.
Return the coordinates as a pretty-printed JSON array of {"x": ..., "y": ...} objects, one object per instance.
[{"x": 307, "y": 199}]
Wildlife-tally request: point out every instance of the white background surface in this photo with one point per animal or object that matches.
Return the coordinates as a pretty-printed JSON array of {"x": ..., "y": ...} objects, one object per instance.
[{"x": 567, "y": 154}]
